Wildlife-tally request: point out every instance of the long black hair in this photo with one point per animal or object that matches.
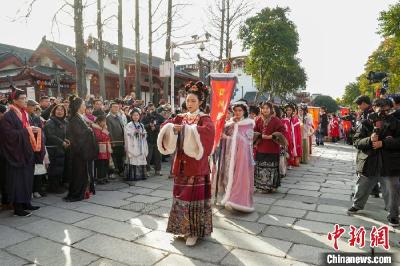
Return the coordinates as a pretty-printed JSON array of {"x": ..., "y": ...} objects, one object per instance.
[{"x": 75, "y": 104}]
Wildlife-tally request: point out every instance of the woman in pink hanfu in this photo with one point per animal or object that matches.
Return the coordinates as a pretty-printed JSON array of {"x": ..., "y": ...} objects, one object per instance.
[
  {"x": 292, "y": 125},
  {"x": 236, "y": 171}
]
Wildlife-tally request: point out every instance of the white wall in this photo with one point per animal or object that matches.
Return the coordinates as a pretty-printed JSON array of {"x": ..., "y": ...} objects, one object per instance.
[
  {"x": 12, "y": 66},
  {"x": 245, "y": 81},
  {"x": 93, "y": 54}
]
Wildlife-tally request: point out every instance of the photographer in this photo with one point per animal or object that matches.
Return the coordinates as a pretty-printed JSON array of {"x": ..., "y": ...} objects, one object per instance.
[
  {"x": 152, "y": 122},
  {"x": 378, "y": 142},
  {"x": 396, "y": 106}
]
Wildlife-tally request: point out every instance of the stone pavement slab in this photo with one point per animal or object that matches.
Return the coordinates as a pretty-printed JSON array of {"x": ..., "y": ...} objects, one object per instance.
[
  {"x": 60, "y": 215},
  {"x": 58, "y": 232},
  {"x": 137, "y": 190},
  {"x": 249, "y": 217},
  {"x": 11, "y": 260},
  {"x": 207, "y": 251},
  {"x": 10, "y": 236},
  {"x": 295, "y": 204},
  {"x": 241, "y": 257},
  {"x": 290, "y": 212},
  {"x": 306, "y": 254},
  {"x": 120, "y": 250},
  {"x": 108, "y": 212},
  {"x": 113, "y": 228},
  {"x": 253, "y": 228},
  {"x": 266, "y": 245},
  {"x": 313, "y": 226},
  {"x": 273, "y": 219},
  {"x": 7, "y": 218},
  {"x": 106, "y": 262},
  {"x": 46, "y": 252},
  {"x": 173, "y": 260},
  {"x": 151, "y": 222},
  {"x": 161, "y": 193},
  {"x": 145, "y": 199}
]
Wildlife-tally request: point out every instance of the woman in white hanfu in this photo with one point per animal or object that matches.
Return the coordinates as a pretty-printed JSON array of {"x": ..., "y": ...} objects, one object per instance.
[
  {"x": 136, "y": 147},
  {"x": 236, "y": 168}
]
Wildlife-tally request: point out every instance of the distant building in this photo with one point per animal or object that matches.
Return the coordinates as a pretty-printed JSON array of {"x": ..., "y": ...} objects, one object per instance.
[{"x": 51, "y": 67}]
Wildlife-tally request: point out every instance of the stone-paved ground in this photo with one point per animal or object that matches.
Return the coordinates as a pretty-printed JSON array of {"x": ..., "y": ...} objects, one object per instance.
[{"x": 125, "y": 225}]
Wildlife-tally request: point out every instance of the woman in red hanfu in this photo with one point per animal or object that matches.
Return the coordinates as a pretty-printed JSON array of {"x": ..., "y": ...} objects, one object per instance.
[
  {"x": 334, "y": 125},
  {"x": 293, "y": 128},
  {"x": 191, "y": 137}
]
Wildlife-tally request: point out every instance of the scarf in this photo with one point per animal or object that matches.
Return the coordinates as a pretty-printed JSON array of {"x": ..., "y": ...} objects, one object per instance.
[{"x": 36, "y": 143}]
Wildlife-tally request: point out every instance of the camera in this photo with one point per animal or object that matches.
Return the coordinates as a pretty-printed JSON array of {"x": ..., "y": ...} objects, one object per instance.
[{"x": 376, "y": 77}]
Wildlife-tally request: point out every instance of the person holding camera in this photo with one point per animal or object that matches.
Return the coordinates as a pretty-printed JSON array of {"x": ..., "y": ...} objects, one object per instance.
[
  {"x": 152, "y": 122},
  {"x": 378, "y": 142}
]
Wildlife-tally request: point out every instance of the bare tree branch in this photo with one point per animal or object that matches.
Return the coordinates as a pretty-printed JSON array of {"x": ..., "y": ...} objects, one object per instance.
[
  {"x": 157, "y": 8},
  {"x": 54, "y": 20}
]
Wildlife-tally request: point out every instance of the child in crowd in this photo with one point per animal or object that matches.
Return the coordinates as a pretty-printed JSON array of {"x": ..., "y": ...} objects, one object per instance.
[{"x": 104, "y": 143}]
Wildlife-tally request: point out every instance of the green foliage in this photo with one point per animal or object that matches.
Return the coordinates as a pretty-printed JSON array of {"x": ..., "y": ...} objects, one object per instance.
[
  {"x": 389, "y": 22},
  {"x": 327, "y": 101},
  {"x": 386, "y": 58},
  {"x": 273, "y": 42},
  {"x": 351, "y": 92}
]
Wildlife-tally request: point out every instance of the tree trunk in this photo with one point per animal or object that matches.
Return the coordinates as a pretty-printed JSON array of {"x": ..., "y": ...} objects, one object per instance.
[
  {"x": 168, "y": 46},
  {"x": 137, "y": 48},
  {"x": 80, "y": 54},
  {"x": 120, "y": 52},
  {"x": 150, "y": 60},
  {"x": 100, "y": 52},
  {"x": 228, "y": 28},
  {"x": 221, "y": 40}
]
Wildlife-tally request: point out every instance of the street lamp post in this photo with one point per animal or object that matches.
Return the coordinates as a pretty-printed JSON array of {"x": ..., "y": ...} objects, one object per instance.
[{"x": 176, "y": 45}]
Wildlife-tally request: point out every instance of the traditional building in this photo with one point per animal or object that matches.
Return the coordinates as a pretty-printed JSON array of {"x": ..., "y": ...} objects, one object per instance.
[{"x": 50, "y": 70}]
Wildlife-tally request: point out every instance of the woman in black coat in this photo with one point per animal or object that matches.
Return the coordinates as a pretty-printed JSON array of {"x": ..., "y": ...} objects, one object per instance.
[
  {"x": 55, "y": 131},
  {"x": 83, "y": 150}
]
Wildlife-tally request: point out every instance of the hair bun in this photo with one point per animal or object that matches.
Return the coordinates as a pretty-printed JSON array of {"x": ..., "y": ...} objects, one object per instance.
[
  {"x": 72, "y": 98},
  {"x": 198, "y": 88}
]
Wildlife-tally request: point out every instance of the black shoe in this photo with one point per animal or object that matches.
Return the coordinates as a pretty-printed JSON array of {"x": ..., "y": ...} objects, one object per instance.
[
  {"x": 352, "y": 210},
  {"x": 22, "y": 213},
  {"x": 66, "y": 199},
  {"x": 393, "y": 222},
  {"x": 29, "y": 207}
]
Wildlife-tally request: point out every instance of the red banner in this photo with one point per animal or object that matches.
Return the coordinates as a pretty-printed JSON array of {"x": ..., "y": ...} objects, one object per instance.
[{"x": 222, "y": 86}]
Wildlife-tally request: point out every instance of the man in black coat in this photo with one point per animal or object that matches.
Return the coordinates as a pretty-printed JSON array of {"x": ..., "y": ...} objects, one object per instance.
[
  {"x": 5, "y": 204},
  {"x": 378, "y": 142},
  {"x": 18, "y": 147},
  {"x": 152, "y": 122}
]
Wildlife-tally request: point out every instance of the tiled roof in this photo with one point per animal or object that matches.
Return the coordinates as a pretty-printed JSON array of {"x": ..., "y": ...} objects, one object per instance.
[
  {"x": 64, "y": 51},
  {"x": 130, "y": 55},
  {"x": 22, "y": 53},
  {"x": 250, "y": 96}
]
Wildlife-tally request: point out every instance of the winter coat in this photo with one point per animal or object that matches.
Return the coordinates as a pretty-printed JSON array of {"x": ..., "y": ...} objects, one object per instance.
[
  {"x": 103, "y": 141},
  {"x": 55, "y": 131},
  {"x": 380, "y": 162},
  {"x": 83, "y": 141},
  {"x": 116, "y": 128}
]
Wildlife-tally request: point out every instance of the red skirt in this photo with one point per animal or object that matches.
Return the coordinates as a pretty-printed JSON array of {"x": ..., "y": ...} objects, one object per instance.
[{"x": 191, "y": 213}]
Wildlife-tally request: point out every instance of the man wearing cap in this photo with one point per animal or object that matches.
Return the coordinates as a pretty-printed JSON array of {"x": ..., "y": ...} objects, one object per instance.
[
  {"x": 20, "y": 143},
  {"x": 34, "y": 120}
]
